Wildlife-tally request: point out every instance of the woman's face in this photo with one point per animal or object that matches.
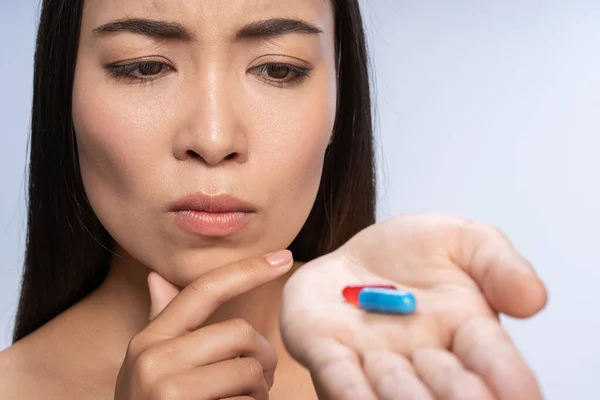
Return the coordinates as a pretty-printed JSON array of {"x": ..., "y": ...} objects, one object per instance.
[{"x": 179, "y": 98}]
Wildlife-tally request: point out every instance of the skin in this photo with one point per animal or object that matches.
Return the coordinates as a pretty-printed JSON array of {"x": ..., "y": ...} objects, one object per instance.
[
  {"x": 463, "y": 273},
  {"x": 178, "y": 309},
  {"x": 211, "y": 123}
]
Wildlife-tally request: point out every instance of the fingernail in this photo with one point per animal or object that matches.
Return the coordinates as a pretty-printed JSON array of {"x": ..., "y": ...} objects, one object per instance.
[{"x": 280, "y": 258}]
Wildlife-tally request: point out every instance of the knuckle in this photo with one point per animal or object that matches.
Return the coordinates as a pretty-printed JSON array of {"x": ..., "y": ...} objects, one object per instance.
[
  {"x": 137, "y": 344},
  {"x": 166, "y": 390},
  {"x": 484, "y": 229},
  {"x": 273, "y": 358},
  {"x": 494, "y": 232},
  {"x": 204, "y": 287},
  {"x": 146, "y": 367},
  {"x": 208, "y": 290},
  {"x": 475, "y": 236},
  {"x": 253, "y": 369},
  {"x": 252, "y": 267},
  {"x": 243, "y": 330}
]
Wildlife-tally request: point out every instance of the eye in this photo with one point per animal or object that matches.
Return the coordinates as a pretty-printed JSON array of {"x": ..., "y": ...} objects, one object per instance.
[
  {"x": 149, "y": 68},
  {"x": 140, "y": 71},
  {"x": 278, "y": 71},
  {"x": 282, "y": 74}
]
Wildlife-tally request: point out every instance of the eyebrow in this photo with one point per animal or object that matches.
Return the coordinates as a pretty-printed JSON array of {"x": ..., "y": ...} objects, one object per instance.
[
  {"x": 146, "y": 27},
  {"x": 276, "y": 27},
  {"x": 172, "y": 30}
]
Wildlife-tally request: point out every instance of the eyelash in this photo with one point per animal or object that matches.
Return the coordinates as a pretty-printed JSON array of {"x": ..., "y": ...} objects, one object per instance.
[
  {"x": 300, "y": 74},
  {"x": 127, "y": 71}
]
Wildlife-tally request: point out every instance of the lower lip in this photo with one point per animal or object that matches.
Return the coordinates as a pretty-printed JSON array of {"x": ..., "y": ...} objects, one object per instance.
[{"x": 213, "y": 224}]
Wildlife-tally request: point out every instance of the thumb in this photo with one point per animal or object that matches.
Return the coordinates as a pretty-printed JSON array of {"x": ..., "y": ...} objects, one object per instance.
[
  {"x": 508, "y": 280},
  {"x": 161, "y": 293}
]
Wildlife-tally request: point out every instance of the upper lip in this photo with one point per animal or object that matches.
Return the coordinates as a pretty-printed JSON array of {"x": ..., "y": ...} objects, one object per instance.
[{"x": 220, "y": 203}]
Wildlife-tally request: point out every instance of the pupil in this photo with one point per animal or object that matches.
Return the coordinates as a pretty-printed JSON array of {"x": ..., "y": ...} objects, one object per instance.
[
  {"x": 150, "y": 68},
  {"x": 279, "y": 72}
]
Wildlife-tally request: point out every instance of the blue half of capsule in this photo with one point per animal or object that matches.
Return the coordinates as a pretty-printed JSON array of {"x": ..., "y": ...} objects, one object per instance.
[{"x": 390, "y": 301}]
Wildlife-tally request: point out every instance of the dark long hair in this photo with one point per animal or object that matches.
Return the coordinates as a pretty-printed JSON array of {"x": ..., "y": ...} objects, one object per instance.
[{"x": 68, "y": 249}]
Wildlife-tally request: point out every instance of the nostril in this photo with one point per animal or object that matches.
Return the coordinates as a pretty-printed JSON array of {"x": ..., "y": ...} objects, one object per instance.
[{"x": 192, "y": 154}]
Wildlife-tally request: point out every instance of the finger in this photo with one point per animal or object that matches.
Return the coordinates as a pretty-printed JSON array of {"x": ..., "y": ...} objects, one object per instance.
[
  {"x": 219, "y": 342},
  {"x": 161, "y": 293},
  {"x": 197, "y": 301},
  {"x": 486, "y": 349},
  {"x": 231, "y": 378},
  {"x": 447, "y": 378},
  {"x": 336, "y": 372},
  {"x": 393, "y": 377},
  {"x": 505, "y": 276}
]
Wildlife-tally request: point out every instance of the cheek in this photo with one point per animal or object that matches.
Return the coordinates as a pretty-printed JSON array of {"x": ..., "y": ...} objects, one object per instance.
[
  {"x": 125, "y": 144},
  {"x": 119, "y": 154},
  {"x": 116, "y": 133},
  {"x": 293, "y": 156},
  {"x": 301, "y": 162}
]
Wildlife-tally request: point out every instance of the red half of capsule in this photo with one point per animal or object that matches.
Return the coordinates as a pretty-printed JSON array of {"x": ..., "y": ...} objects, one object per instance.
[{"x": 351, "y": 293}]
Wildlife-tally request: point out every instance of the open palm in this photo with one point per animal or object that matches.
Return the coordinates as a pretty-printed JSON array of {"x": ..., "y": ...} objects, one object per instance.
[{"x": 462, "y": 273}]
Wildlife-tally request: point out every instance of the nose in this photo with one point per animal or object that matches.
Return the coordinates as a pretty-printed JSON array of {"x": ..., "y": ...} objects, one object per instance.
[{"x": 212, "y": 129}]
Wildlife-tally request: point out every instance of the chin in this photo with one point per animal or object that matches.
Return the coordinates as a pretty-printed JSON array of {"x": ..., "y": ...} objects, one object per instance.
[{"x": 187, "y": 266}]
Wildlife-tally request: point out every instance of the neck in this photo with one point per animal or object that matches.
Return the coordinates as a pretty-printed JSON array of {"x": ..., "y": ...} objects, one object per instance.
[
  {"x": 119, "y": 308},
  {"x": 100, "y": 327}
]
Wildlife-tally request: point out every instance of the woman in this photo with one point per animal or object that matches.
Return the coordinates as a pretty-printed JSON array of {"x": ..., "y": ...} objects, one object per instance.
[{"x": 178, "y": 148}]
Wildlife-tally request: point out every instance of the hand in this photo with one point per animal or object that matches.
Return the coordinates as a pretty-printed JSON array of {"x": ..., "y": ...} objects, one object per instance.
[
  {"x": 172, "y": 359},
  {"x": 462, "y": 273}
]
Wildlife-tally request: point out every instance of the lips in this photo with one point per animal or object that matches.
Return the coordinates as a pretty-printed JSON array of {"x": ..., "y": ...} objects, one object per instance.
[
  {"x": 212, "y": 204},
  {"x": 212, "y": 216}
]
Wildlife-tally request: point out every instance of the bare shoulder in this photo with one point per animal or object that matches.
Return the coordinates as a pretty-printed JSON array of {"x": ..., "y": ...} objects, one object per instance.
[
  {"x": 22, "y": 376},
  {"x": 13, "y": 374}
]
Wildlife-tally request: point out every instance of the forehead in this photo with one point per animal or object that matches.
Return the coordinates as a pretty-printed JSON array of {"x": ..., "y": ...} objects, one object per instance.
[{"x": 209, "y": 17}]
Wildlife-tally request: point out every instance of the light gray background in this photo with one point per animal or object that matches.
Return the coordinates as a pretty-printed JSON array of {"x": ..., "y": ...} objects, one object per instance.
[{"x": 486, "y": 109}]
